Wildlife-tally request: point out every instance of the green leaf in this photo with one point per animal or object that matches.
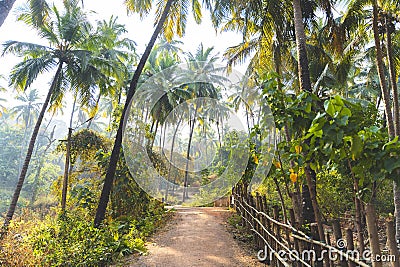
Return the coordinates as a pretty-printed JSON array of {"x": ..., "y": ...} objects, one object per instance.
[
  {"x": 392, "y": 142},
  {"x": 329, "y": 107},
  {"x": 356, "y": 146},
  {"x": 391, "y": 164},
  {"x": 313, "y": 166},
  {"x": 308, "y": 108},
  {"x": 345, "y": 112},
  {"x": 338, "y": 100},
  {"x": 374, "y": 129}
]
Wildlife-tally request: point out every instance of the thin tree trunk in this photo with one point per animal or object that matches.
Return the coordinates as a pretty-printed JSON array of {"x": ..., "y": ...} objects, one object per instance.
[
  {"x": 170, "y": 158},
  {"x": 154, "y": 138},
  {"x": 185, "y": 182},
  {"x": 21, "y": 179},
  {"x": 5, "y": 8},
  {"x": 66, "y": 171},
  {"x": 381, "y": 72},
  {"x": 67, "y": 160},
  {"x": 358, "y": 210},
  {"x": 282, "y": 200},
  {"x": 108, "y": 182}
]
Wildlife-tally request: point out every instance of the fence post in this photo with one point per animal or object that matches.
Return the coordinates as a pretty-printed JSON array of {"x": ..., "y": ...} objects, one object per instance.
[
  {"x": 328, "y": 242},
  {"x": 266, "y": 224},
  {"x": 337, "y": 231},
  {"x": 276, "y": 230},
  {"x": 370, "y": 214},
  {"x": 259, "y": 217},
  {"x": 317, "y": 248},
  {"x": 252, "y": 218},
  {"x": 350, "y": 244},
  {"x": 391, "y": 240}
]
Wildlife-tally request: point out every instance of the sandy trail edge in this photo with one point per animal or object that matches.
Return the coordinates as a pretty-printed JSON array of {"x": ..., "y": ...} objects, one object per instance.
[{"x": 196, "y": 237}]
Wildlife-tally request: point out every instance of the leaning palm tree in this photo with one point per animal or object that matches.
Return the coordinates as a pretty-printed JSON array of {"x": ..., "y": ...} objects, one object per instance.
[
  {"x": 5, "y": 9},
  {"x": 64, "y": 33},
  {"x": 171, "y": 19}
]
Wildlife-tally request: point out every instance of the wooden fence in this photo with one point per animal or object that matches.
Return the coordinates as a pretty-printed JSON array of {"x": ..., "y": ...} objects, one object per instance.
[{"x": 281, "y": 243}]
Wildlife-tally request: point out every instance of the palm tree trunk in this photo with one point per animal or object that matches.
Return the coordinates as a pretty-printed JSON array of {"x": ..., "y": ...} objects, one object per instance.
[
  {"x": 310, "y": 177},
  {"x": 66, "y": 171},
  {"x": 304, "y": 73},
  {"x": 396, "y": 111},
  {"x": 381, "y": 72},
  {"x": 108, "y": 182},
  {"x": 305, "y": 85},
  {"x": 21, "y": 179},
  {"x": 185, "y": 182},
  {"x": 170, "y": 158},
  {"x": 396, "y": 114},
  {"x": 5, "y": 8},
  {"x": 386, "y": 101},
  {"x": 393, "y": 79}
]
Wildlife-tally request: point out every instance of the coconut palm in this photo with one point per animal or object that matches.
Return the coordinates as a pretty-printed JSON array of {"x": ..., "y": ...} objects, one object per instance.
[
  {"x": 380, "y": 22},
  {"x": 120, "y": 51},
  {"x": 171, "y": 19},
  {"x": 72, "y": 66},
  {"x": 27, "y": 111},
  {"x": 265, "y": 27},
  {"x": 28, "y": 108},
  {"x": 200, "y": 63}
]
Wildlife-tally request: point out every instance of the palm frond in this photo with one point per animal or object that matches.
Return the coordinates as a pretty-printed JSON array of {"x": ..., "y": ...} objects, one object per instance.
[
  {"x": 25, "y": 72},
  {"x": 142, "y": 7},
  {"x": 20, "y": 48}
]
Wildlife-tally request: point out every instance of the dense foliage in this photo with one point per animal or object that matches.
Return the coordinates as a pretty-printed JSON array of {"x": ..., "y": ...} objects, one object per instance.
[{"x": 329, "y": 78}]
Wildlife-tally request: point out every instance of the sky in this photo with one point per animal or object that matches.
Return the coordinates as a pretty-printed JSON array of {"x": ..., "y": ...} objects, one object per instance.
[{"x": 138, "y": 30}]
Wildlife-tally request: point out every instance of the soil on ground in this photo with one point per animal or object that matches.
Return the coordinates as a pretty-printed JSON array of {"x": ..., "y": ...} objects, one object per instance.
[{"x": 196, "y": 237}]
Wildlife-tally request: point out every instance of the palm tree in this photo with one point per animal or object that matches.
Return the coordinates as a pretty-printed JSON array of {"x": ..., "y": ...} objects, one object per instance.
[
  {"x": 5, "y": 8},
  {"x": 305, "y": 86},
  {"x": 171, "y": 19},
  {"x": 28, "y": 109},
  {"x": 73, "y": 69},
  {"x": 120, "y": 52},
  {"x": 251, "y": 19},
  {"x": 201, "y": 62}
]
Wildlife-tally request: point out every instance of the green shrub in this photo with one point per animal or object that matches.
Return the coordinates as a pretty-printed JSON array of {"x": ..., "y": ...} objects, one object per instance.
[{"x": 73, "y": 241}]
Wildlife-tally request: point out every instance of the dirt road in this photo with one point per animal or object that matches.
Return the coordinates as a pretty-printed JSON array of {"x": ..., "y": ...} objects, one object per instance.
[{"x": 196, "y": 237}]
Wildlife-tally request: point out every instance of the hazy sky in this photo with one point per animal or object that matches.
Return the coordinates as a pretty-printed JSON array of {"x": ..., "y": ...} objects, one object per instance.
[{"x": 138, "y": 30}]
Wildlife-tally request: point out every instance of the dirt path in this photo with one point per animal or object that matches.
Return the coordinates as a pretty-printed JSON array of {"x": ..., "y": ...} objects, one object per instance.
[{"x": 196, "y": 237}]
